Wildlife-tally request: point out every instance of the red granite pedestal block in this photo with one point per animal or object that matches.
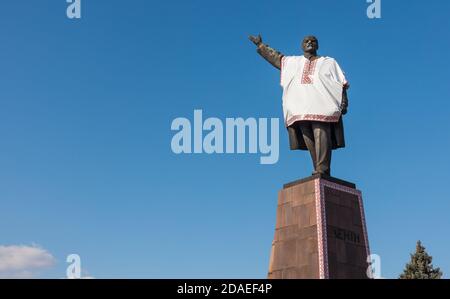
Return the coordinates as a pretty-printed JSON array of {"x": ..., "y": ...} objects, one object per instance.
[{"x": 320, "y": 231}]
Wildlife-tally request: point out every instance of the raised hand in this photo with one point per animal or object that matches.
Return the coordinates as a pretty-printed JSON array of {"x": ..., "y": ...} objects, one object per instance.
[
  {"x": 257, "y": 40},
  {"x": 269, "y": 54}
]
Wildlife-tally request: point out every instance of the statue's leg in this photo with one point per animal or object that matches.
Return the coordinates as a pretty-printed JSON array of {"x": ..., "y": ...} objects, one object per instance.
[
  {"x": 308, "y": 136},
  {"x": 323, "y": 146}
]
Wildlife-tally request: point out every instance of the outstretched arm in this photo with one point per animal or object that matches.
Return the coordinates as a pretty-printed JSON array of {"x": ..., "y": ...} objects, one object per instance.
[{"x": 269, "y": 54}]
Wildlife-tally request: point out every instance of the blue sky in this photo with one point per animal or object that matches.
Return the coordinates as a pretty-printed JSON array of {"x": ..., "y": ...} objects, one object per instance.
[{"x": 86, "y": 107}]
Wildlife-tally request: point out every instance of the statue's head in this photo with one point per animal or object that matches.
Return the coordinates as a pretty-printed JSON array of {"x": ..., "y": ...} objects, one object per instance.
[{"x": 310, "y": 44}]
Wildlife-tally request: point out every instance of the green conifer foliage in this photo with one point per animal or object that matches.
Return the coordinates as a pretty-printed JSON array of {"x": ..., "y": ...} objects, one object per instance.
[{"x": 420, "y": 266}]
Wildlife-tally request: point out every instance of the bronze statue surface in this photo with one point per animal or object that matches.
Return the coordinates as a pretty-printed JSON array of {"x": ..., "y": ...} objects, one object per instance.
[{"x": 319, "y": 136}]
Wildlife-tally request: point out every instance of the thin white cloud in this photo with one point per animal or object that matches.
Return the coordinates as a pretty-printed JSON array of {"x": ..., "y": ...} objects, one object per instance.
[{"x": 21, "y": 261}]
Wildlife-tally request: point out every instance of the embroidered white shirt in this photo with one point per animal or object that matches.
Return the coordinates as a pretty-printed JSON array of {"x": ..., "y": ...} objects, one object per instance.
[{"x": 312, "y": 90}]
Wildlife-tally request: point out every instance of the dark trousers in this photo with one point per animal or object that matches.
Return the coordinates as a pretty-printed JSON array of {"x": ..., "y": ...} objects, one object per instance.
[{"x": 317, "y": 136}]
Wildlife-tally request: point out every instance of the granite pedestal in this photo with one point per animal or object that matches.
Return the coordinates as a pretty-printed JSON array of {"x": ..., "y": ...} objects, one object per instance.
[{"x": 320, "y": 231}]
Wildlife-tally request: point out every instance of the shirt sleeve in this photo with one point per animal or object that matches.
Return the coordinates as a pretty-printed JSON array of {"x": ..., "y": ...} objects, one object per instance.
[
  {"x": 281, "y": 69},
  {"x": 339, "y": 75},
  {"x": 284, "y": 70}
]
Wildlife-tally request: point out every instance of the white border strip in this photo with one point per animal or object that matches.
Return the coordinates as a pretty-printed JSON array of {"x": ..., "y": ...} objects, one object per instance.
[{"x": 321, "y": 230}]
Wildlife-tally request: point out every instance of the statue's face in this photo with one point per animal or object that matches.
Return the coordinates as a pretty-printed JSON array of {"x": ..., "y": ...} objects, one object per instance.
[{"x": 310, "y": 44}]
